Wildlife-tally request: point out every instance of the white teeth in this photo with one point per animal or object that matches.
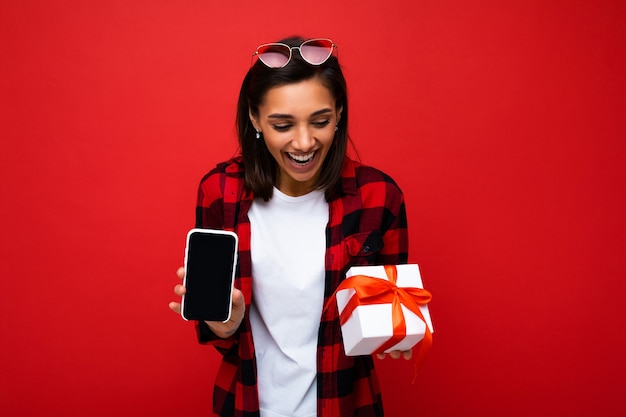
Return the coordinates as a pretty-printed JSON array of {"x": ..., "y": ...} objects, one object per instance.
[{"x": 302, "y": 159}]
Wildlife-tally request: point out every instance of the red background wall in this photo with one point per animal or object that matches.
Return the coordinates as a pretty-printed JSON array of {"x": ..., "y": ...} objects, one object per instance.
[{"x": 503, "y": 122}]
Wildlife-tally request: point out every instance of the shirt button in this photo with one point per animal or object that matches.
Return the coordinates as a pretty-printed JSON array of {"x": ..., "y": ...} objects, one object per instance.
[{"x": 366, "y": 248}]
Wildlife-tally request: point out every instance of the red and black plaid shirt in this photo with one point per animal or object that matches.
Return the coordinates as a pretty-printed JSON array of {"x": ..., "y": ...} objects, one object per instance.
[{"x": 367, "y": 226}]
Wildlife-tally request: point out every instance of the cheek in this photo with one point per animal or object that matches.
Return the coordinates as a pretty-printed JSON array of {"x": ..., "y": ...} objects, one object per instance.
[
  {"x": 327, "y": 136},
  {"x": 272, "y": 141}
]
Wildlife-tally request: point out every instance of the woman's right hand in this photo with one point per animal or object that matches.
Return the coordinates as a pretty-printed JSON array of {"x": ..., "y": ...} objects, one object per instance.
[{"x": 223, "y": 330}]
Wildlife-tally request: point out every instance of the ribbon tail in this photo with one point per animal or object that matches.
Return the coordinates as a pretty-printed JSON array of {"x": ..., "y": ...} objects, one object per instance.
[{"x": 424, "y": 348}]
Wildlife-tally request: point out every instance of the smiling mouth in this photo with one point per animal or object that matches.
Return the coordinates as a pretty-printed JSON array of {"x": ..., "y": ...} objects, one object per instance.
[{"x": 301, "y": 159}]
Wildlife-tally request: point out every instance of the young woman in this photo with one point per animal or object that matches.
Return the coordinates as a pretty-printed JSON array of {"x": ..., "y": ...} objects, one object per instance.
[{"x": 304, "y": 213}]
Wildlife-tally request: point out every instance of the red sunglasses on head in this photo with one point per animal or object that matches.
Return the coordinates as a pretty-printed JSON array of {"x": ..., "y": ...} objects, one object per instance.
[{"x": 278, "y": 55}]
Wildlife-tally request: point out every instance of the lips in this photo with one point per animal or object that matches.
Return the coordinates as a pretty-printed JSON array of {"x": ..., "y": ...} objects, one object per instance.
[{"x": 301, "y": 159}]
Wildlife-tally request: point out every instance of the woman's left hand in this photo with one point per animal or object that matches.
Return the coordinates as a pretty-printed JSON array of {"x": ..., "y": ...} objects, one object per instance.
[{"x": 396, "y": 354}]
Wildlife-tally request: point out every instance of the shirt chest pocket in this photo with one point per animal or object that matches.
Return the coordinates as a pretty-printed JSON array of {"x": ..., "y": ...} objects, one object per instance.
[{"x": 363, "y": 248}]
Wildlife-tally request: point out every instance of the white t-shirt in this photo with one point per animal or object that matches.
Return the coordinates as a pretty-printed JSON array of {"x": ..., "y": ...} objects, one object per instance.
[{"x": 288, "y": 245}]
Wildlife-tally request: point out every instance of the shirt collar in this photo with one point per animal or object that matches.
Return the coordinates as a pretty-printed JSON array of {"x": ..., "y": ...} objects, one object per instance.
[{"x": 347, "y": 182}]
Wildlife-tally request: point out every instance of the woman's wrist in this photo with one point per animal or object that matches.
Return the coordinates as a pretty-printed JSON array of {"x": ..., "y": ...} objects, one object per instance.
[{"x": 220, "y": 332}]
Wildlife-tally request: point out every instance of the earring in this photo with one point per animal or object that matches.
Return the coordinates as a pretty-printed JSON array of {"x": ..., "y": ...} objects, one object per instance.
[
  {"x": 336, "y": 128},
  {"x": 258, "y": 135}
]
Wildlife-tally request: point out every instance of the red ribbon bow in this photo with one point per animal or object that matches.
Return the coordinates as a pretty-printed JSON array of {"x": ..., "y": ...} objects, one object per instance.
[{"x": 370, "y": 290}]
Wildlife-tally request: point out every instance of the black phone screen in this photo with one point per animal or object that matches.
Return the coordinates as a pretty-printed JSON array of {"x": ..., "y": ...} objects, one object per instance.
[{"x": 209, "y": 270}]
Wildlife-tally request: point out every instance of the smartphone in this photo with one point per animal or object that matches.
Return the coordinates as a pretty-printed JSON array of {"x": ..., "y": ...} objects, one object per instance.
[{"x": 210, "y": 263}]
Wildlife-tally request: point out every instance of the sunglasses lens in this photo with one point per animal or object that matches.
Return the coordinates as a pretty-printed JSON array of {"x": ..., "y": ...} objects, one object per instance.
[
  {"x": 274, "y": 55},
  {"x": 316, "y": 51}
]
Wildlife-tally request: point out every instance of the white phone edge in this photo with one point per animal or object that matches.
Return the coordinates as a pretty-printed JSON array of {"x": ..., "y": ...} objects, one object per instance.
[{"x": 232, "y": 278}]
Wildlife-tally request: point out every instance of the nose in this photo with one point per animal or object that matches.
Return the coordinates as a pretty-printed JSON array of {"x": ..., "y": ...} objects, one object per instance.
[{"x": 304, "y": 139}]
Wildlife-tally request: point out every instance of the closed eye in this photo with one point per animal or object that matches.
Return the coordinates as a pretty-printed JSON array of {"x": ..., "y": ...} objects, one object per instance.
[
  {"x": 321, "y": 123},
  {"x": 281, "y": 127}
]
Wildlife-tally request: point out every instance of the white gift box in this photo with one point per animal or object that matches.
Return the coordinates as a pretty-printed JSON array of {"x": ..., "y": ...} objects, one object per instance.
[{"x": 370, "y": 326}]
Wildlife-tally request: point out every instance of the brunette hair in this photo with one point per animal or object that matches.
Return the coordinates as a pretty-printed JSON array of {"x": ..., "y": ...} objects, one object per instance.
[{"x": 260, "y": 169}]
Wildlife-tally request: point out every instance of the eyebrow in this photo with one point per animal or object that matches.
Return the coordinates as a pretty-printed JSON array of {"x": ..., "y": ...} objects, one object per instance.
[{"x": 289, "y": 116}]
